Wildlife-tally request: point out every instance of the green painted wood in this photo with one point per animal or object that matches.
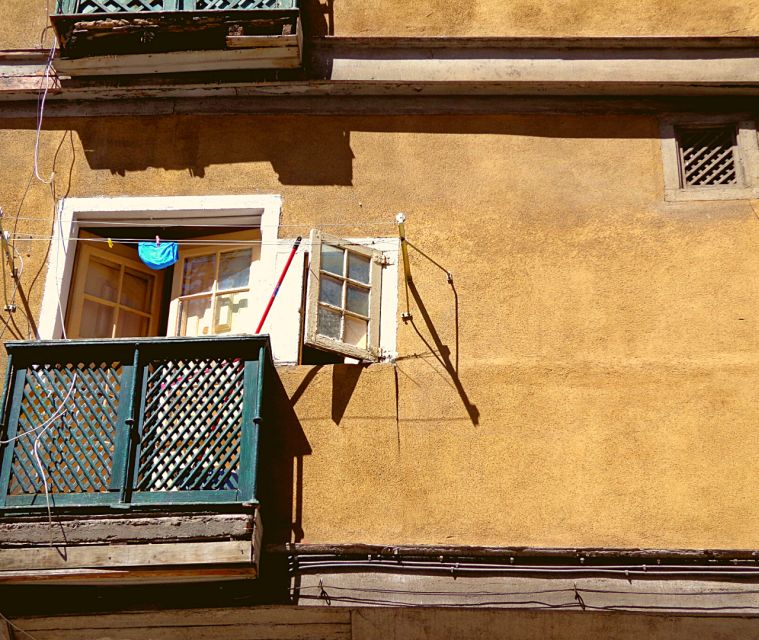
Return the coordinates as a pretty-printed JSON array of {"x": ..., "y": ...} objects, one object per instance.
[
  {"x": 64, "y": 7},
  {"x": 202, "y": 396},
  {"x": 181, "y": 439},
  {"x": 184, "y": 497},
  {"x": 62, "y": 500},
  {"x": 11, "y": 433},
  {"x": 125, "y": 419},
  {"x": 249, "y": 444}
]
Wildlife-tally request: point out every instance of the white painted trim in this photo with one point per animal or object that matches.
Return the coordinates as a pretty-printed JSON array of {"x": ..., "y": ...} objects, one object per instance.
[
  {"x": 252, "y": 210},
  {"x": 262, "y": 211},
  {"x": 390, "y": 248}
]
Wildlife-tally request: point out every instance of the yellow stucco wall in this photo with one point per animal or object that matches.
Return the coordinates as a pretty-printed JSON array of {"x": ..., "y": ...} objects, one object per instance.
[
  {"x": 23, "y": 20},
  {"x": 534, "y": 17},
  {"x": 603, "y": 392}
]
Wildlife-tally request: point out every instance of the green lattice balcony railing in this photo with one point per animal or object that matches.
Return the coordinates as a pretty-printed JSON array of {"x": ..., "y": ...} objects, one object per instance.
[
  {"x": 120, "y": 423},
  {"x": 72, "y": 7}
]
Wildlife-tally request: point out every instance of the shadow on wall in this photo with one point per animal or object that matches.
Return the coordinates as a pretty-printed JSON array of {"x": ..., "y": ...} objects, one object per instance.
[
  {"x": 318, "y": 17},
  {"x": 299, "y": 152},
  {"x": 448, "y": 358},
  {"x": 302, "y": 150},
  {"x": 280, "y": 484}
]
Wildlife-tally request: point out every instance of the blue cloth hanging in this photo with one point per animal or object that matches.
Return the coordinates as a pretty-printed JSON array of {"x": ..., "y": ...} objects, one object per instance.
[{"x": 158, "y": 256}]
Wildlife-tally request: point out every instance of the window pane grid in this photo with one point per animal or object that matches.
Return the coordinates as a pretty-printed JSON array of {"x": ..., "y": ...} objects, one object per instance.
[
  {"x": 221, "y": 301},
  {"x": 348, "y": 320},
  {"x": 343, "y": 311}
]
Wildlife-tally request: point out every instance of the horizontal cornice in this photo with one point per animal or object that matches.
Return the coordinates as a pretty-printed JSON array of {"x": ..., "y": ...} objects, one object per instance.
[{"x": 339, "y": 67}]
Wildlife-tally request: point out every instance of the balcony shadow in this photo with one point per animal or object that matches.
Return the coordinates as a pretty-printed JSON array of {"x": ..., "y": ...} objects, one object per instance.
[
  {"x": 318, "y": 17},
  {"x": 307, "y": 150},
  {"x": 300, "y": 151},
  {"x": 280, "y": 484}
]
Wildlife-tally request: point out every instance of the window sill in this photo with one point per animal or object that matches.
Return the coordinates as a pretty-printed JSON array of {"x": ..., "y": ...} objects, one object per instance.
[{"x": 711, "y": 193}]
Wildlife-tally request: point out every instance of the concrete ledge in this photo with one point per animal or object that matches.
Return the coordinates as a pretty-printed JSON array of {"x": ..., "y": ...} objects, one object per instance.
[
  {"x": 544, "y": 65},
  {"x": 461, "y": 67}
]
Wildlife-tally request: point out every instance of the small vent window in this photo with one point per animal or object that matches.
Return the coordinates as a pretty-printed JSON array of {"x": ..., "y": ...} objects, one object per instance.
[{"x": 708, "y": 156}]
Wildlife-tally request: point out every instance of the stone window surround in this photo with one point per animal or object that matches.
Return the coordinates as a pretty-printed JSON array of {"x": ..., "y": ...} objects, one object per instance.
[{"x": 747, "y": 157}]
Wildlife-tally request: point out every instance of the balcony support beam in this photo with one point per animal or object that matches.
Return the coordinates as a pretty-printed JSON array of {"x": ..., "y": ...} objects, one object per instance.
[{"x": 151, "y": 548}]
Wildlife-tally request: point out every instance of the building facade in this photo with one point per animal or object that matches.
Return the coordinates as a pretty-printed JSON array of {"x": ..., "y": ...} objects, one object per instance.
[{"x": 525, "y": 407}]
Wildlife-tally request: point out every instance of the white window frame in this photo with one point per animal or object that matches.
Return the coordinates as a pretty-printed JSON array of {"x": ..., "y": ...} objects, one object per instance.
[
  {"x": 376, "y": 261},
  {"x": 747, "y": 158},
  {"x": 255, "y": 265},
  {"x": 255, "y": 211},
  {"x": 261, "y": 211}
]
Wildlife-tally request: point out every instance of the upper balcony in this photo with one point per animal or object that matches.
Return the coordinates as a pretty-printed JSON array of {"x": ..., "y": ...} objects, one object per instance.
[
  {"x": 150, "y": 445},
  {"x": 117, "y": 37}
]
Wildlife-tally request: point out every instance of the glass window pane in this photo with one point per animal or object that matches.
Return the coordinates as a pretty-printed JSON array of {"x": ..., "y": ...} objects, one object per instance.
[
  {"x": 234, "y": 269},
  {"x": 333, "y": 259},
  {"x": 102, "y": 279},
  {"x": 97, "y": 320},
  {"x": 199, "y": 274},
  {"x": 355, "y": 332},
  {"x": 231, "y": 313},
  {"x": 358, "y": 267},
  {"x": 195, "y": 317},
  {"x": 328, "y": 323},
  {"x": 131, "y": 325},
  {"x": 358, "y": 300},
  {"x": 331, "y": 291},
  {"x": 137, "y": 290}
]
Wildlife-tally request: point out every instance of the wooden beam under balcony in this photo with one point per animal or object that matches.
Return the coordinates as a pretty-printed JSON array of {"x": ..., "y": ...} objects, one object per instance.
[{"x": 124, "y": 548}]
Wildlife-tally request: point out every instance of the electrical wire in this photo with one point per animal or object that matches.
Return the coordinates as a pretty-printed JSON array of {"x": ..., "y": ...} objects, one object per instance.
[
  {"x": 496, "y": 599},
  {"x": 45, "y": 424},
  {"x": 201, "y": 242},
  {"x": 472, "y": 594},
  {"x": 155, "y": 223},
  {"x": 41, "y": 99},
  {"x": 464, "y": 569}
]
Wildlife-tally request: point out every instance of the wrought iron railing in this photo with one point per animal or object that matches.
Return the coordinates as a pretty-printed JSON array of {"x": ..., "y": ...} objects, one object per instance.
[
  {"x": 72, "y": 7},
  {"x": 125, "y": 422}
]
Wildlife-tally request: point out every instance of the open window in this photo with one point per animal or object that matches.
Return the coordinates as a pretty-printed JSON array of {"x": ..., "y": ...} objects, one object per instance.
[
  {"x": 213, "y": 288},
  {"x": 337, "y": 301},
  {"x": 344, "y": 297}
]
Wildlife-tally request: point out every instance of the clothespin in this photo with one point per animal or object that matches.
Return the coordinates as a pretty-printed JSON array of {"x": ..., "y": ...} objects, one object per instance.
[
  {"x": 157, "y": 241},
  {"x": 110, "y": 243}
]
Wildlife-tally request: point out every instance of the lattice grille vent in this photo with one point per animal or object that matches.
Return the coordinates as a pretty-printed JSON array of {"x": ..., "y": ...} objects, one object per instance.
[
  {"x": 67, "y": 427},
  {"x": 192, "y": 426},
  {"x": 707, "y": 156}
]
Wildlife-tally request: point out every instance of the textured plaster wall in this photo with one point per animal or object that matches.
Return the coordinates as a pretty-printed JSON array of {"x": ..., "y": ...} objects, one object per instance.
[
  {"x": 534, "y": 17},
  {"x": 23, "y": 20},
  {"x": 590, "y": 382}
]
